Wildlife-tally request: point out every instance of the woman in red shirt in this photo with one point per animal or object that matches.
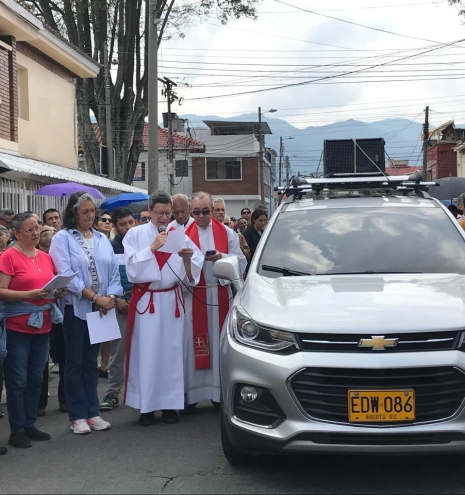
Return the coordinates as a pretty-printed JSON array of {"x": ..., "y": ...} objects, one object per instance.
[{"x": 23, "y": 271}]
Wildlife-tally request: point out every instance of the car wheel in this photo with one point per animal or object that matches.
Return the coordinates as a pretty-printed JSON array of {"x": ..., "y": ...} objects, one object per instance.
[{"x": 230, "y": 452}]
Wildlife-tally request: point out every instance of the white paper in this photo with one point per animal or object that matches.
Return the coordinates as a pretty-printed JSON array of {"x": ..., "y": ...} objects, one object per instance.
[
  {"x": 103, "y": 328},
  {"x": 58, "y": 282},
  {"x": 174, "y": 243}
]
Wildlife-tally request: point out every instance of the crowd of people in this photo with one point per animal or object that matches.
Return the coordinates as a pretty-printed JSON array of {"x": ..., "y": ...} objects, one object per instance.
[{"x": 170, "y": 308}]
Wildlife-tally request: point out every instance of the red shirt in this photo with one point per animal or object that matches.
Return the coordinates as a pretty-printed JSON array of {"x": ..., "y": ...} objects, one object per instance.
[{"x": 26, "y": 276}]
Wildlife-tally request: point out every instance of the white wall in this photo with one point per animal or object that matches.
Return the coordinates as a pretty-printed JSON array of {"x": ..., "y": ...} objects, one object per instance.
[
  {"x": 48, "y": 131},
  {"x": 240, "y": 145},
  {"x": 181, "y": 184},
  {"x": 460, "y": 163}
]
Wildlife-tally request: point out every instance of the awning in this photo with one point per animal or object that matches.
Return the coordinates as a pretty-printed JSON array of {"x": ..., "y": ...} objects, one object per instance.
[{"x": 12, "y": 166}]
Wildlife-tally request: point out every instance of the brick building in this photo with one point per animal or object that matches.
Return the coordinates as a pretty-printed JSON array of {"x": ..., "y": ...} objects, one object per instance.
[
  {"x": 230, "y": 166},
  {"x": 442, "y": 154},
  {"x": 442, "y": 160}
]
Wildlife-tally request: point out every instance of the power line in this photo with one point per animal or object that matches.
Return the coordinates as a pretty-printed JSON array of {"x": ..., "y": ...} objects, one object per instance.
[
  {"x": 355, "y": 23},
  {"x": 327, "y": 77}
]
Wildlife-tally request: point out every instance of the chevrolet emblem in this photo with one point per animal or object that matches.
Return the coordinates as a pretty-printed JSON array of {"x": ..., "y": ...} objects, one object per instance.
[{"x": 378, "y": 343}]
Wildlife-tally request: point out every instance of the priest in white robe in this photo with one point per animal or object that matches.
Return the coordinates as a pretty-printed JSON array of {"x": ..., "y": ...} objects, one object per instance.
[
  {"x": 207, "y": 304},
  {"x": 155, "y": 364}
]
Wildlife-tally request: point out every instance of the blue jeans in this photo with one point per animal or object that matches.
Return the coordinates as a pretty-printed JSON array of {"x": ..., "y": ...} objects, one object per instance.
[
  {"x": 23, "y": 368},
  {"x": 81, "y": 369}
]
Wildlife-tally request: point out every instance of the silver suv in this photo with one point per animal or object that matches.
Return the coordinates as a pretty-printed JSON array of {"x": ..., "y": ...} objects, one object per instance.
[{"x": 348, "y": 334}]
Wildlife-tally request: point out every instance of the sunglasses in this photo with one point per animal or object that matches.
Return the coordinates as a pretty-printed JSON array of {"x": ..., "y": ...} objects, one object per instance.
[
  {"x": 105, "y": 220},
  {"x": 204, "y": 212},
  {"x": 144, "y": 219},
  {"x": 245, "y": 212}
]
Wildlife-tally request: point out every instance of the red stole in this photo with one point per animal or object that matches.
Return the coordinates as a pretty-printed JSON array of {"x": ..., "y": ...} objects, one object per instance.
[{"x": 199, "y": 299}]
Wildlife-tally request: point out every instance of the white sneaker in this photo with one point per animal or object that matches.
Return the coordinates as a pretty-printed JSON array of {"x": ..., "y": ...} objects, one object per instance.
[
  {"x": 80, "y": 427},
  {"x": 98, "y": 424}
]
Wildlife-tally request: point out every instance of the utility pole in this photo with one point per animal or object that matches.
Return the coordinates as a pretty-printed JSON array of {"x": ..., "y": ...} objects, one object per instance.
[
  {"x": 170, "y": 97},
  {"x": 152, "y": 181},
  {"x": 109, "y": 135},
  {"x": 260, "y": 140},
  {"x": 288, "y": 166},
  {"x": 425, "y": 143},
  {"x": 281, "y": 150}
]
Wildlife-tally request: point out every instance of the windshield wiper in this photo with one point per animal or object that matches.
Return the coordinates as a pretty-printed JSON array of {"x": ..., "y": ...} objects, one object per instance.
[
  {"x": 370, "y": 272},
  {"x": 285, "y": 271}
]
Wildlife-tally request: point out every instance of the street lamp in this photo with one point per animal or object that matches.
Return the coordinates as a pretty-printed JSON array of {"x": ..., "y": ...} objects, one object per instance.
[{"x": 260, "y": 140}]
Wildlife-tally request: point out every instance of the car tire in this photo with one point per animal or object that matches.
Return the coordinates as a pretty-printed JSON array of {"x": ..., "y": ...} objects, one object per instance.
[{"x": 232, "y": 455}]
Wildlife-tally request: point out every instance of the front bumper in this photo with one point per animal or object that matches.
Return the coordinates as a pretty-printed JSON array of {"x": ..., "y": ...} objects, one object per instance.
[{"x": 299, "y": 432}]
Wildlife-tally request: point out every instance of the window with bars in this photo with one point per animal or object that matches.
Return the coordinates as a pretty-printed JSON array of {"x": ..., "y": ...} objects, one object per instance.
[
  {"x": 223, "y": 168},
  {"x": 181, "y": 168}
]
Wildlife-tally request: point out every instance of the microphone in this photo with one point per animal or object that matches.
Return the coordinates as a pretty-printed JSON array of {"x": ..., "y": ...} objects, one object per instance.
[{"x": 162, "y": 228}]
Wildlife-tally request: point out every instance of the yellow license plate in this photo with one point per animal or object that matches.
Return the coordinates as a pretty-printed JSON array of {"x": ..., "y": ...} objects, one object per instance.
[{"x": 377, "y": 406}]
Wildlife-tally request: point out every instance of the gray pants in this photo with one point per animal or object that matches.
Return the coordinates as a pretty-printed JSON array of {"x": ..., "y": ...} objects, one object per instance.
[{"x": 117, "y": 357}]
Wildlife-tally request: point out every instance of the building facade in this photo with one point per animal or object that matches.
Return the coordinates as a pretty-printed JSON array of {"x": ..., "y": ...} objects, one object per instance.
[
  {"x": 38, "y": 125},
  {"x": 183, "y": 149},
  {"x": 231, "y": 166}
]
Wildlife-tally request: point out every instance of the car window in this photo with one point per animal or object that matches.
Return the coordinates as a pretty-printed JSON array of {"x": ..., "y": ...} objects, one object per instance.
[{"x": 359, "y": 240}]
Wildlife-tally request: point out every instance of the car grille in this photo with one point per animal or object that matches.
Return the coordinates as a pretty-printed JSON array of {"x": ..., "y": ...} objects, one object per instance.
[
  {"x": 323, "y": 392},
  {"x": 407, "y": 342},
  {"x": 376, "y": 439}
]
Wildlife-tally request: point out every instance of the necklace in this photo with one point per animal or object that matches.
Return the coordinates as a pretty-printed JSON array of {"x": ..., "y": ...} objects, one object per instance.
[
  {"x": 33, "y": 258},
  {"x": 87, "y": 233}
]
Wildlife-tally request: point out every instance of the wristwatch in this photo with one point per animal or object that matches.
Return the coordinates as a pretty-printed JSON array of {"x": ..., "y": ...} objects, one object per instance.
[{"x": 112, "y": 296}]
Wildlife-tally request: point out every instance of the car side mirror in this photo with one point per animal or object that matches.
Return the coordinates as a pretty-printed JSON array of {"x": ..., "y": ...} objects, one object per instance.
[{"x": 229, "y": 269}]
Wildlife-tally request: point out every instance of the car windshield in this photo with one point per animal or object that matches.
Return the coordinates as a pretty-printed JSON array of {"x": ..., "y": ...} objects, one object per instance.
[{"x": 363, "y": 240}]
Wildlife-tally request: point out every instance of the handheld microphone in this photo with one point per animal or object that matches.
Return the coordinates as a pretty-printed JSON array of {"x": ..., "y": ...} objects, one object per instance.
[{"x": 162, "y": 228}]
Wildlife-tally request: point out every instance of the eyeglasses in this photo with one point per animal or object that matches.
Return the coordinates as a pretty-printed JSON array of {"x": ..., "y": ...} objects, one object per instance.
[
  {"x": 204, "y": 212},
  {"x": 105, "y": 220},
  {"x": 245, "y": 212},
  {"x": 161, "y": 214},
  {"x": 144, "y": 219},
  {"x": 31, "y": 230}
]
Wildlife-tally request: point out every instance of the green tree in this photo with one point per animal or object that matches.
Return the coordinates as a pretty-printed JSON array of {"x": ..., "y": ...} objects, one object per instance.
[
  {"x": 461, "y": 4},
  {"x": 122, "y": 25}
]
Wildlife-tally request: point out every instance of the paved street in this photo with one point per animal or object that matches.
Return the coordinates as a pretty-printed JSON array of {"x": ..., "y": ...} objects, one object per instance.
[{"x": 187, "y": 458}]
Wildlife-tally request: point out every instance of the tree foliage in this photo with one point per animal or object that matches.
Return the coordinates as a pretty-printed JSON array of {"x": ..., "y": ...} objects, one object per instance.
[
  {"x": 122, "y": 25},
  {"x": 461, "y": 5}
]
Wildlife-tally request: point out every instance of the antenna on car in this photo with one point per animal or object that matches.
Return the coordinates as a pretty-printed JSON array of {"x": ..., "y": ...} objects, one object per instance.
[{"x": 374, "y": 163}]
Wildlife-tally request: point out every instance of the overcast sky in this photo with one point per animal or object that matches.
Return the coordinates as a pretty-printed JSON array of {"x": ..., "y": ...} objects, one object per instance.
[{"x": 286, "y": 46}]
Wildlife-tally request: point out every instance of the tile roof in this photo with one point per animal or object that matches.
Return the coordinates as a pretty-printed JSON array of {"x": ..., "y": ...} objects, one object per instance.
[{"x": 179, "y": 140}]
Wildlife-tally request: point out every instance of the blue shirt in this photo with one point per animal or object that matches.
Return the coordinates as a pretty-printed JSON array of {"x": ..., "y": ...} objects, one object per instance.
[{"x": 69, "y": 257}]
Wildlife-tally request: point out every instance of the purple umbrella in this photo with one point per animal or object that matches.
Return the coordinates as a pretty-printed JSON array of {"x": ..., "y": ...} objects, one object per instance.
[{"x": 66, "y": 189}]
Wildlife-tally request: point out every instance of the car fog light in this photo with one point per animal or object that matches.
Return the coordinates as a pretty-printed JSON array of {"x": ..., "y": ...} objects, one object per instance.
[{"x": 249, "y": 394}]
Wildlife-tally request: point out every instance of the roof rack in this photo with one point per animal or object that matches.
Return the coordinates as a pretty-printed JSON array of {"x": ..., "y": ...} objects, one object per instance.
[{"x": 298, "y": 185}]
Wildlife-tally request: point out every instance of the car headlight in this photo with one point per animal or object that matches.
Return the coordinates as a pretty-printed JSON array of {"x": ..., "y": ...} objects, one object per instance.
[{"x": 246, "y": 331}]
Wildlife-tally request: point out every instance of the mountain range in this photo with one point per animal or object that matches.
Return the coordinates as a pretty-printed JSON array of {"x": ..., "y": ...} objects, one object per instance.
[{"x": 402, "y": 137}]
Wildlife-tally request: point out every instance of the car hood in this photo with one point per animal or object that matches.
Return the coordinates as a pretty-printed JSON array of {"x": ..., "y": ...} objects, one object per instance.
[{"x": 357, "y": 303}]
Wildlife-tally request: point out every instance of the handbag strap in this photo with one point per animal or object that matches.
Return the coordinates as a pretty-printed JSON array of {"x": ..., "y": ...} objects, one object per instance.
[{"x": 90, "y": 257}]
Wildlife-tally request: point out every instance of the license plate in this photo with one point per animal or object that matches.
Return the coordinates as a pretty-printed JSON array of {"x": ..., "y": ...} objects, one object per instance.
[{"x": 377, "y": 406}]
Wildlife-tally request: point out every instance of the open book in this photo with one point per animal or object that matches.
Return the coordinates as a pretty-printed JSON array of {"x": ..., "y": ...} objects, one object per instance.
[{"x": 58, "y": 282}]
